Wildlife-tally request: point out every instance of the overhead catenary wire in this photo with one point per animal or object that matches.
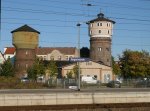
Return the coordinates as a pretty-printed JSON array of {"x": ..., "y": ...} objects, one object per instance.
[
  {"x": 47, "y": 5},
  {"x": 68, "y": 14}
]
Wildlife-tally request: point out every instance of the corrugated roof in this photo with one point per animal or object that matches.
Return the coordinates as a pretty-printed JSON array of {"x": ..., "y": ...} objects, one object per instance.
[
  {"x": 25, "y": 28},
  {"x": 101, "y": 18},
  {"x": 9, "y": 50},
  {"x": 64, "y": 50}
]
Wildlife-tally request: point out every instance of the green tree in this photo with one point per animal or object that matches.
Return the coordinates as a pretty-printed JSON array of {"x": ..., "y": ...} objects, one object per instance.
[
  {"x": 69, "y": 74},
  {"x": 36, "y": 70},
  {"x": 7, "y": 69},
  {"x": 52, "y": 68},
  {"x": 116, "y": 67},
  {"x": 85, "y": 52},
  {"x": 76, "y": 70},
  {"x": 134, "y": 63}
]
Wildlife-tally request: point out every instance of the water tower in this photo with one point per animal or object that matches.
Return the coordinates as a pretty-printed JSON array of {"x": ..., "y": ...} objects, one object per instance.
[
  {"x": 25, "y": 39},
  {"x": 100, "y": 32}
]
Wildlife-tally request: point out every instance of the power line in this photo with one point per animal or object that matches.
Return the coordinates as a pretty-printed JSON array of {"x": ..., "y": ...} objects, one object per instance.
[
  {"x": 60, "y": 26},
  {"x": 70, "y": 21},
  {"x": 69, "y": 8},
  {"x": 64, "y": 13}
]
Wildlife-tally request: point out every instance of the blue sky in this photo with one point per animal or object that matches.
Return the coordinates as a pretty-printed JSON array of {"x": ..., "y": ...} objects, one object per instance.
[{"x": 57, "y": 19}]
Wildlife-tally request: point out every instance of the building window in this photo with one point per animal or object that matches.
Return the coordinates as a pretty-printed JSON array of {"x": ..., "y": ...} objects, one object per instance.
[
  {"x": 26, "y": 52},
  {"x": 26, "y": 65},
  {"x": 107, "y": 49},
  {"x": 107, "y": 60},
  {"x": 91, "y": 25},
  {"x": 106, "y": 78},
  {"x": 99, "y": 49},
  {"x": 91, "y": 32},
  {"x": 44, "y": 57},
  {"x": 99, "y": 24},
  {"x": 99, "y": 31},
  {"x": 107, "y": 24},
  {"x": 108, "y": 31}
]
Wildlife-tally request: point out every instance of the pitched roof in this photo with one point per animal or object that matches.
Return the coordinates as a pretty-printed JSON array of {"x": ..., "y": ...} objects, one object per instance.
[
  {"x": 9, "y": 50},
  {"x": 64, "y": 50},
  {"x": 25, "y": 28},
  {"x": 46, "y": 50},
  {"x": 101, "y": 18}
]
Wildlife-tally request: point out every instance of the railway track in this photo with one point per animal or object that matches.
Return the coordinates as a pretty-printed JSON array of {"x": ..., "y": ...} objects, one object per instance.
[{"x": 82, "y": 107}]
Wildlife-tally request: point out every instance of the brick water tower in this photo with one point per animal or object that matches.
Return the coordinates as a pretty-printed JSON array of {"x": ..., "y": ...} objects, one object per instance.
[
  {"x": 100, "y": 32},
  {"x": 25, "y": 39}
]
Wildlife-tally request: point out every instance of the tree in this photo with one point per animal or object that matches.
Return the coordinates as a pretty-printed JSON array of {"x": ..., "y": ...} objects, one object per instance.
[
  {"x": 36, "y": 70},
  {"x": 69, "y": 74},
  {"x": 52, "y": 68},
  {"x": 76, "y": 71},
  {"x": 85, "y": 52},
  {"x": 116, "y": 67},
  {"x": 7, "y": 69},
  {"x": 134, "y": 63}
]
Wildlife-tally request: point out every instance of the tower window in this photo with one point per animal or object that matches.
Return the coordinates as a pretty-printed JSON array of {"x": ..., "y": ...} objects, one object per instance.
[
  {"x": 107, "y": 49},
  {"x": 26, "y": 65},
  {"x": 91, "y": 32},
  {"x": 26, "y": 52},
  {"x": 99, "y": 31},
  {"x": 99, "y": 49},
  {"x": 107, "y": 60},
  {"x": 91, "y": 25},
  {"x": 108, "y": 31},
  {"x": 99, "y": 24},
  {"x": 107, "y": 24}
]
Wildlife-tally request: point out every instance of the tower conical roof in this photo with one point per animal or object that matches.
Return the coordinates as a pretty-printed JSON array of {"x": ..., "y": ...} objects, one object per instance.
[
  {"x": 25, "y": 28},
  {"x": 101, "y": 18}
]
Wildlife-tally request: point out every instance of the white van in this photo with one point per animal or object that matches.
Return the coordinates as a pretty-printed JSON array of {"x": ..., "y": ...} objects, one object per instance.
[{"x": 89, "y": 80}]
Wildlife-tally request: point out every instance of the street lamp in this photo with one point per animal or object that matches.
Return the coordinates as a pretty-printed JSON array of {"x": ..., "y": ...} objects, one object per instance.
[{"x": 78, "y": 25}]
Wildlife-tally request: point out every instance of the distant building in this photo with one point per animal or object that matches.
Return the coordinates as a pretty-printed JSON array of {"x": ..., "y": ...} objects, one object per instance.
[
  {"x": 100, "y": 32},
  {"x": 47, "y": 53},
  {"x": 56, "y": 53},
  {"x": 9, "y": 52},
  {"x": 101, "y": 72}
]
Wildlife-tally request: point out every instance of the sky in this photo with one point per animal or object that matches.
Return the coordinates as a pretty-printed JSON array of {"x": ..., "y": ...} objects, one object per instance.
[{"x": 56, "y": 21}]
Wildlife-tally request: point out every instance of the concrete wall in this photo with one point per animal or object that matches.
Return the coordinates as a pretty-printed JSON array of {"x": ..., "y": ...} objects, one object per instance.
[{"x": 72, "y": 98}]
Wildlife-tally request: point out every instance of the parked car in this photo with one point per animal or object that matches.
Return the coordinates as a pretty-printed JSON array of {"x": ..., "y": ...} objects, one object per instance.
[
  {"x": 114, "y": 84},
  {"x": 73, "y": 86},
  {"x": 89, "y": 80},
  {"x": 24, "y": 79}
]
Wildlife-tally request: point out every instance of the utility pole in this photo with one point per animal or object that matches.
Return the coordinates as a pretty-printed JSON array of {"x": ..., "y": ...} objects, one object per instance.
[{"x": 78, "y": 25}]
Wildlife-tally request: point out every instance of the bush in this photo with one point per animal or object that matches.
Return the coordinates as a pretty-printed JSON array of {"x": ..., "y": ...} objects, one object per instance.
[{"x": 15, "y": 83}]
